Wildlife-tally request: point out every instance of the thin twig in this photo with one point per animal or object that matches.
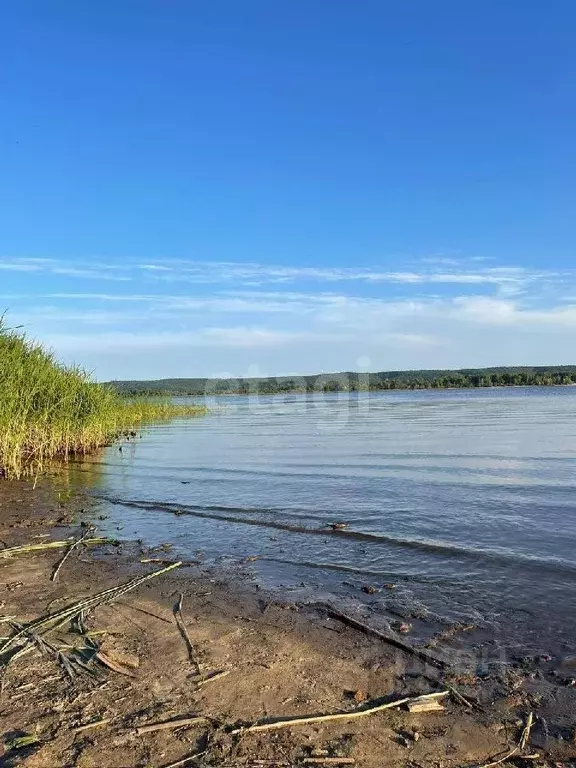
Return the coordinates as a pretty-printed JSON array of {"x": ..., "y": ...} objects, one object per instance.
[
  {"x": 70, "y": 664},
  {"x": 59, "y": 618},
  {"x": 458, "y": 696},
  {"x": 164, "y": 561},
  {"x": 143, "y": 610},
  {"x": 170, "y": 725},
  {"x": 211, "y": 678},
  {"x": 526, "y": 732},
  {"x": 68, "y": 552},
  {"x": 107, "y": 662},
  {"x": 87, "y": 727},
  {"x": 518, "y": 748},
  {"x": 185, "y": 760},
  {"x": 361, "y": 712},
  {"x": 24, "y": 548},
  {"x": 184, "y": 633},
  {"x": 390, "y": 639}
]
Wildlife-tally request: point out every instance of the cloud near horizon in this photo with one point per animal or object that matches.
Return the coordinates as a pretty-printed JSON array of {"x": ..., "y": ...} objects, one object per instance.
[{"x": 144, "y": 319}]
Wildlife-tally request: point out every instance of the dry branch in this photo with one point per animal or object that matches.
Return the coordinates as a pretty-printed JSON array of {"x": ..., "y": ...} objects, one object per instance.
[
  {"x": 526, "y": 732},
  {"x": 143, "y": 610},
  {"x": 52, "y": 621},
  {"x": 425, "y": 706},
  {"x": 518, "y": 748},
  {"x": 356, "y": 713},
  {"x": 170, "y": 724},
  {"x": 185, "y": 760},
  {"x": 25, "y": 548},
  {"x": 68, "y": 552},
  {"x": 212, "y": 677},
  {"x": 390, "y": 639},
  {"x": 458, "y": 696},
  {"x": 184, "y": 632},
  {"x": 107, "y": 662},
  {"x": 87, "y": 727}
]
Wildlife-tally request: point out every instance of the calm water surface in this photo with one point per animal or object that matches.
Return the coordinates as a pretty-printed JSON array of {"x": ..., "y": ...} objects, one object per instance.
[{"x": 464, "y": 500}]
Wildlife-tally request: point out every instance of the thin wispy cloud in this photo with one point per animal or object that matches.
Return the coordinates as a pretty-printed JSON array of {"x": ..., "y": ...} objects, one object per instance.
[
  {"x": 19, "y": 267},
  {"x": 173, "y": 317},
  {"x": 239, "y": 272},
  {"x": 230, "y": 272},
  {"x": 237, "y": 337},
  {"x": 89, "y": 274}
]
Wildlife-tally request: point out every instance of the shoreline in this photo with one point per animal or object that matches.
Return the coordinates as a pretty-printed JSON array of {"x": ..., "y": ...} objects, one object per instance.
[
  {"x": 202, "y": 396},
  {"x": 281, "y": 660}
]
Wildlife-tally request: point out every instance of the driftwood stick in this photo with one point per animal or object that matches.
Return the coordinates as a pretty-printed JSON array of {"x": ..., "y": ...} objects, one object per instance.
[
  {"x": 458, "y": 696},
  {"x": 52, "y": 621},
  {"x": 424, "y": 706},
  {"x": 25, "y": 548},
  {"x": 184, "y": 632},
  {"x": 107, "y": 662},
  {"x": 68, "y": 552},
  {"x": 355, "y": 713},
  {"x": 87, "y": 727},
  {"x": 504, "y": 759},
  {"x": 390, "y": 639},
  {"x": 143, "y": 610},
  {"x": 519, "y": 747},
  {"x": 212, "y": 677},
  {"x": 185, "y": 760},
  {"x": 329, "y": 761},
  {"x": 170, "y": 724},
  {"x": 526, "y": 732}
]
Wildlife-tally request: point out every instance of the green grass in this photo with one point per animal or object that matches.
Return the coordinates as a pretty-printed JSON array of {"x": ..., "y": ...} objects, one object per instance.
[{"x": 52, "y": 411}]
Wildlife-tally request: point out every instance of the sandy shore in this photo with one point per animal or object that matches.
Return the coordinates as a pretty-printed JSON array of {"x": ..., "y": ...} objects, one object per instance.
[{"x": 270, "y": 660}]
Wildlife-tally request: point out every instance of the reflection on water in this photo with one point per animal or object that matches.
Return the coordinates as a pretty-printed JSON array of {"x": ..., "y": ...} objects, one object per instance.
[{"x": 464, "y": 499}]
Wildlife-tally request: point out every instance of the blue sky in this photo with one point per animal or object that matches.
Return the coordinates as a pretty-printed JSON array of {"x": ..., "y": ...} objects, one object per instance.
[{"x": 267, "y": 187}]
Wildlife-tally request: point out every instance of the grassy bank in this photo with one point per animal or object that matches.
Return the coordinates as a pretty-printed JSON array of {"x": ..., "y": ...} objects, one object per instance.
[{"x": 49, "y": 410}]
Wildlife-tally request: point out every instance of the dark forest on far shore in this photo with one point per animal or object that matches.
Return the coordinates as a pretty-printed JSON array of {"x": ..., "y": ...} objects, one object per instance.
[{"x": 543, "y": 376}]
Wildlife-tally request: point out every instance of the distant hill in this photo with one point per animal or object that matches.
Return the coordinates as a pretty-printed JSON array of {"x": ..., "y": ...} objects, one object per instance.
[{"x": 356, "y": 382}]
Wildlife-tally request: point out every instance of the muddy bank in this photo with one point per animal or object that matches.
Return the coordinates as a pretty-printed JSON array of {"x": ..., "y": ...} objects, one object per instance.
[{"x": 237, "y": 657}]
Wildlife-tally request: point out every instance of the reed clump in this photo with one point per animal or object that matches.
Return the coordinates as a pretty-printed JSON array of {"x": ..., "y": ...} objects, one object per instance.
[{"x": 52, "y": 411}]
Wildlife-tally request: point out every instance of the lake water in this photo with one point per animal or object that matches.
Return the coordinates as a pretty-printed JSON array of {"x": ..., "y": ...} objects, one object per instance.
[{"x": 465, "y": 501}]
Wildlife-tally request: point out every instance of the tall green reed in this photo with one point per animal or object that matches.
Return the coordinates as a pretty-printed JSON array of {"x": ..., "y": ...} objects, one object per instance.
[{"x": 49, "y": 410}]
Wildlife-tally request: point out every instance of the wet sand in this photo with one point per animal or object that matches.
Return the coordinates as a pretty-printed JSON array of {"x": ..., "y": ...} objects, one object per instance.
[{"x": 280, "y": 660}]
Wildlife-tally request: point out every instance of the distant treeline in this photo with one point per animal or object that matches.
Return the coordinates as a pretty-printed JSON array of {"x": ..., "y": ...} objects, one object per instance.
[{"x": 543, "y": 376}]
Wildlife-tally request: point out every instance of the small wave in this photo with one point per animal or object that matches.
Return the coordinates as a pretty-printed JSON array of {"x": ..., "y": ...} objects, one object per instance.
[
  {"x": 240, "y": 515},
  {"x": 388, "y": 575}
]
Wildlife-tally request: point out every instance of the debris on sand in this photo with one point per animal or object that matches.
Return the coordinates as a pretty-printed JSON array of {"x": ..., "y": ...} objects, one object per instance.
[
  {"x": 182, "y": 722},
  {"x": 388, "y": 638},
  {"x": 424, "y": 706},
  {"x": 184, "y": 633},
  {"x": 33, "y": 634},
  {"x": 369, "y": 709},
  {"x": 26, "y": 548}
]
